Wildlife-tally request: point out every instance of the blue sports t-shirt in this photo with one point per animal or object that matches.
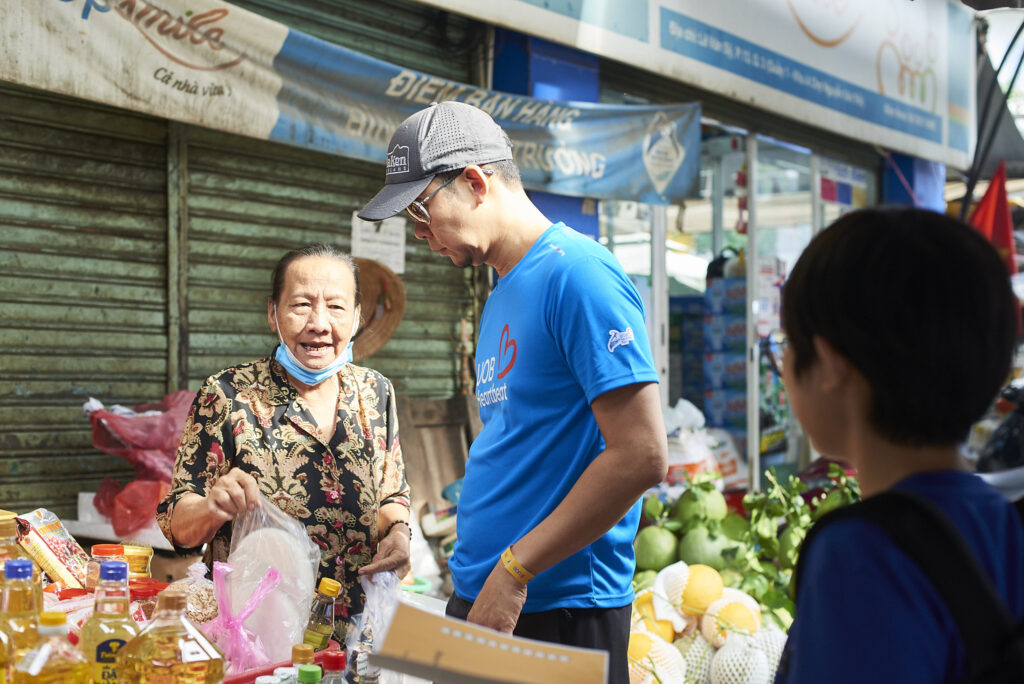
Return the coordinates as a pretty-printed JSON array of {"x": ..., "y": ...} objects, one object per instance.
[
  {"x": 866, "y": 613},
  {"x": 564, "y": 326}
]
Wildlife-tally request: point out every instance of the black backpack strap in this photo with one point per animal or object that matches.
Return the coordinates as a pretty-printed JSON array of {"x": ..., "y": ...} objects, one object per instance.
[{"x": 926, "y": 534}]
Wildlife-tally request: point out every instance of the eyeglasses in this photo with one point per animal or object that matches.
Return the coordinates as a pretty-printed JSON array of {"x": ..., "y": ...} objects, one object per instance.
[
  {"x": 418, "y": 208},
  {"x": 774, "y": 347}
]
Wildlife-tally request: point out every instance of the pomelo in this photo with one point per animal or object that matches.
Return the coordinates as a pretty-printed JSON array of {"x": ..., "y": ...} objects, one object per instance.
[{"x": 655, "y": 548}]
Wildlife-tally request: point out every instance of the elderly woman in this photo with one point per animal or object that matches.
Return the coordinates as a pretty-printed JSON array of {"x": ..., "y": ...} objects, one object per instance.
[{"x": 315, "y": 434}]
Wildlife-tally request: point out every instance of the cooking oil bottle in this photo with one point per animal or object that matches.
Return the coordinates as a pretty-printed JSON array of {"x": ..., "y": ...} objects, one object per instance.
[
  {"x": 170, "y": 648},
  {"x": 110, "y": 627},
  {"x": 321, "y": 615},
  {"x": 20, "y": 620},
  {"x": 53, "y": 660},
  {"x": 10, "y": 549}
]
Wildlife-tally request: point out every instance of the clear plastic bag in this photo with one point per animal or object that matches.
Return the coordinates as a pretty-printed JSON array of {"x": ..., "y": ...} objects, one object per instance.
[
  {"x": 371, "y": 628},
  {"x": 202, "y": 606},
  {"x": 266, "y": 538},
  {"x": 243, "y": 650}
]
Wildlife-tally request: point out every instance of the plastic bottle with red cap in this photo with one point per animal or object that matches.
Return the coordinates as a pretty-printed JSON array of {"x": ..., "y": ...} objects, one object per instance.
[{"x": 334, "y": 667}]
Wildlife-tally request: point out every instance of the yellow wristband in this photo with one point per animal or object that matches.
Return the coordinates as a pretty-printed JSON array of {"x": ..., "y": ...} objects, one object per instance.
[{"x": 514, "y": 567}]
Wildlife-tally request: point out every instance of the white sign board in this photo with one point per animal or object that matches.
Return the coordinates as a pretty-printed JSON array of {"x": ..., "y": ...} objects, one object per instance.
[
  {"x": 382, "y": 241},
  {"x": 889, "y": 72}
]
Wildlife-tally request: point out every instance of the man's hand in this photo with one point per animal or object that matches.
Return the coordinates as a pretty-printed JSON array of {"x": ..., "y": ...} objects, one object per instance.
[
  {"x": 392, "y": 553},
  {"x": 234, "y": 492},
  {"x": 500, "y": 601}
]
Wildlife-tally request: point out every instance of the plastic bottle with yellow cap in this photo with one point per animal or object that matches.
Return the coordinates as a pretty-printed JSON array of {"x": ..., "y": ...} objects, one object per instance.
[
  {"x": 321, "y": 616},
  {"x": 53, "y": 660}
]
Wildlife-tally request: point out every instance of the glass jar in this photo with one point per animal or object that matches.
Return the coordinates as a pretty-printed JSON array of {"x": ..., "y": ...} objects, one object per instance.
[
  {"x": 139, "y": 558},
  {"x": 100, "y": 554},
  {"x": 144, "y": 591}
]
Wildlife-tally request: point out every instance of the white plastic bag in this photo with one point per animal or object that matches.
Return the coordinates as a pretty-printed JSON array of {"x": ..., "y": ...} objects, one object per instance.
[{"x": 265, "y": 538}]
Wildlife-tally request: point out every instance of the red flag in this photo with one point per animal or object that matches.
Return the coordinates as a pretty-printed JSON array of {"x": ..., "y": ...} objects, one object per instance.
[{"x": 992, "y": 218}]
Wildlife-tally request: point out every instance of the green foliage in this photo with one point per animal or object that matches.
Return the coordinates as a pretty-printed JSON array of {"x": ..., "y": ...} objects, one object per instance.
[{"x": 756, "y": 554}]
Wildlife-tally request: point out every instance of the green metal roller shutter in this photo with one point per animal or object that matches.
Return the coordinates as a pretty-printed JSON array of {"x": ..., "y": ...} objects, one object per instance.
[
  {"x": 248, "y": 202},
  {"x": 398, "y": 31},
  {"x": 82, "y": 286}
]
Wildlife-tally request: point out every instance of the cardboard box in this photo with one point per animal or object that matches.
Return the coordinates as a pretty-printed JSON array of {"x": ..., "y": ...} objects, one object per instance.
[
  {"x": 687, "y": 305},
  {"x": 726, "y": 295},
  {"x": 723, "y": 407},
  {"x": 725, "y": 370},
  {"x": 725, "y": 333},
  {"x": 444, "y": 649},
  {"x": 691, "y": 334}
]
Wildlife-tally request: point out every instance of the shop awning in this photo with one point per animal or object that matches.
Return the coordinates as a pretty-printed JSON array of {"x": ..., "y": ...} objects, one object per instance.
[
  {"x": 1008, "y": 144},
  {"x": 213, "y": 64}
]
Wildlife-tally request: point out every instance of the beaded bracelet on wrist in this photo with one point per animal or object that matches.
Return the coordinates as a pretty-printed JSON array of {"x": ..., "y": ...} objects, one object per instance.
[{"x": 387, "y": 530}]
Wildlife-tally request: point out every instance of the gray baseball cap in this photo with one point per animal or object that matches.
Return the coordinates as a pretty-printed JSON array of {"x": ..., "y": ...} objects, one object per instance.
[{"x": 443, "y": 137}]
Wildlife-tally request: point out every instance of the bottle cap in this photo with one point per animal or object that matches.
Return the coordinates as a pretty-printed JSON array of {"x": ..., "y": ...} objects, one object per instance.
[
  {"x": 18, "y": 569},
  {"x": 329, "y": 587},
  {"x": 301, "y": 654},
  {"x": 145, "y": 587},
  {"x": 334, "y": 661},
  {"x": 52, "y": 619},
  {"x": 310, "y": 673},
  {"x": 107, "y": 550},
  {"x": 114, "y": 570}
]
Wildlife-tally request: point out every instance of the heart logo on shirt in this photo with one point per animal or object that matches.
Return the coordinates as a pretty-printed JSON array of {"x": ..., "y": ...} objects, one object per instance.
[{"x": 505, "y": 362}]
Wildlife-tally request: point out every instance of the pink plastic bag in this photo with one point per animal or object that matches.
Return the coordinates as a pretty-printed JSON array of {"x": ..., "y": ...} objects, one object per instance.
[{"x": 242, "y": 649}]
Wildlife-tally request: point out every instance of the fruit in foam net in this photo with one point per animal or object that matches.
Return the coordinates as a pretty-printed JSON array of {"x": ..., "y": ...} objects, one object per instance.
[
  {"x": 739, "y": 662},
  {"x": 733, "y": 612},
  {"x": 771, "y": 640},
  {"x": 643, "y": 607},
  {"x": 655, "y": 548},
  {"x": 703, "y": 588},
  {"x": 697, "y": 653},
  {"x": 652, "y": 659}
]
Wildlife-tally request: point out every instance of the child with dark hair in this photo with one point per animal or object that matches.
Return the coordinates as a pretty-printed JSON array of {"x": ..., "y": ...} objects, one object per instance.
[{"x": 901, "y": 326}]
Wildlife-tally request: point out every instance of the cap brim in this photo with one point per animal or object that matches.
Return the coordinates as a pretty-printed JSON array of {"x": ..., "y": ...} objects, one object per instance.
[{"x": 393, "y": 198}]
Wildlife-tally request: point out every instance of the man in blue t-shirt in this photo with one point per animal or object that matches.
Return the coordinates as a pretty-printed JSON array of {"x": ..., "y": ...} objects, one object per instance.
[{"x": 573, "y": 433}]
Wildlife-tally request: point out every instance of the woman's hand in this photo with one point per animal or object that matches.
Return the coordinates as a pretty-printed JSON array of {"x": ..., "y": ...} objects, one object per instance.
[
  {"x": 392, "y": 553},
  {"x": 234, "y": 492},
  {"x": 195, "y": 518}
]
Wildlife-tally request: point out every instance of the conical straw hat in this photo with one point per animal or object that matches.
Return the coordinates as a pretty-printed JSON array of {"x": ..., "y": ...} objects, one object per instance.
[{"x": 382, "y": 305}]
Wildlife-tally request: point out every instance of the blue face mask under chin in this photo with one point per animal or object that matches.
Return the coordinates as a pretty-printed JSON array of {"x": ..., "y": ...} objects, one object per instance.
[{"x": 302, "y": 372}]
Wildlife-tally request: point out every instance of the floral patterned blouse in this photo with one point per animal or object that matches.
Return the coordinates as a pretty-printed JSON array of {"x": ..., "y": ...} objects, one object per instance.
[{"x": 250, "y": 417}]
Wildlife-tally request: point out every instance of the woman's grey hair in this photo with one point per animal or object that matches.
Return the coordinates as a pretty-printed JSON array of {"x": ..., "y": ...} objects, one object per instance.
[{"x": 317, "y": 249}]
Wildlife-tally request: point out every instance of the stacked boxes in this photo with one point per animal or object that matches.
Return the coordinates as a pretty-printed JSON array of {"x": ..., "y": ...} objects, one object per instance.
[
  {"x": 686, "y": 350},
  {"x": 725, "y": 357}
]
